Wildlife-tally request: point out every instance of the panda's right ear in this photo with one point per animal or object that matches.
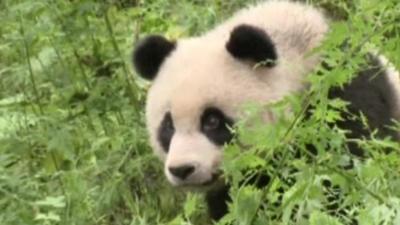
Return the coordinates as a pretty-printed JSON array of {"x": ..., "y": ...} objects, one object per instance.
[{"x": 150, "y": 53}]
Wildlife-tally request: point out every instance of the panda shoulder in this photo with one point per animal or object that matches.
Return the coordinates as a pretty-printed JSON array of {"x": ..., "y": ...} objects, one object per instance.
[{"x": 393, "y": 78}]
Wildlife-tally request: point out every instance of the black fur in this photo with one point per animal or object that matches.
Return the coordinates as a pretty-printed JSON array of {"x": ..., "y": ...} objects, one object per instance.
[
  {"x": 215, "y": 125},
  {"x": 248, "y": 42},
  {"x": 150, "y": 53},
  {"x": 166, "y": 131},
  {"x": 217, "y": 202},
  {"x": 369, "y": 93}
]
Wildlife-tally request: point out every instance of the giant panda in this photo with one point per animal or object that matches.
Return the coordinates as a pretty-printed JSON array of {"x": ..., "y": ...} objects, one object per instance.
[{"x": 200, "y": 83}]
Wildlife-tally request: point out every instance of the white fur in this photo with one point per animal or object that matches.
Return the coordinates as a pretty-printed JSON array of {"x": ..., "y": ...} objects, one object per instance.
[{"x": 394, "y": 79}]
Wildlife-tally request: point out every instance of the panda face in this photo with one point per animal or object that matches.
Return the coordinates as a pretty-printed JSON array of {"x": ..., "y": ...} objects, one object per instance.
[
  {"x": 194, "y": 168},
  {"x": 190, "y": 109},
  {"x": 200, "y": 84},
  {"x": 188, "y": 166}
]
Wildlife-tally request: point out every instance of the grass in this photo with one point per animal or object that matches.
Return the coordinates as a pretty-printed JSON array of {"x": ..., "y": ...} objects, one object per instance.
[{"x": 73, "y": 143}]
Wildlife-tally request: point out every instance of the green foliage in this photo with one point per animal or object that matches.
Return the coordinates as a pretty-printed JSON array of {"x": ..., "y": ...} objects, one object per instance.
[
  {"x": 368, "y": 192},
  {"x": 73, "y": 145}
]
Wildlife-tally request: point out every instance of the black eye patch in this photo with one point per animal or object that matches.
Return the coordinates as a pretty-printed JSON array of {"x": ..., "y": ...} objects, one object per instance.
[
  {"x": 166, "y": 131},
  {"x": 214, "y": 124}
]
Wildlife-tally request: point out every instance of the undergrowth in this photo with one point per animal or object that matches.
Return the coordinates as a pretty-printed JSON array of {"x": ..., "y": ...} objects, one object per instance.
[{"x": 73, "y": 144}]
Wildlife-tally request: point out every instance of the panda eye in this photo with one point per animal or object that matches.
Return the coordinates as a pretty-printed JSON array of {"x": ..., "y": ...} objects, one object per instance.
[
  {"x": 214, "y": 125},
  {"x": 211, "y": 122},
  {"x": 166, "y": 131},
  {"x": 168, "y": 125}
]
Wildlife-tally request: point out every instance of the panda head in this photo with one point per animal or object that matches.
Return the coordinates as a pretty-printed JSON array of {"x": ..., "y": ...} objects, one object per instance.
[{"x": 199, "y": 86}]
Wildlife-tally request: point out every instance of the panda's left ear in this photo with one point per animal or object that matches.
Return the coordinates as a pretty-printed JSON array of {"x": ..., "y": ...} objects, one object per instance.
[
  {"x": 150, "y": 53},
  {"x": 252, "y": 43}
]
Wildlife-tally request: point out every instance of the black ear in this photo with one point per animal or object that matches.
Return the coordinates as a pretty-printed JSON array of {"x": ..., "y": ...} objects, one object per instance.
[
  {"x": 149, "y": 54},
  {"x": 249, "y": 42}
]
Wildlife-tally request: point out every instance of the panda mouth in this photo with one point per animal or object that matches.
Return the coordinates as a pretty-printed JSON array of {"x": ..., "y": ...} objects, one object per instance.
[
  {"x": 210, "y": 184},
  {"x": 211, "y": 181}
]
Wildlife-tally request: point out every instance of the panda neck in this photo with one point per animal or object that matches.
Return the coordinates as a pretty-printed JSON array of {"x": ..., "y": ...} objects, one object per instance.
[
  {"x": 217, "y": 202},
  {"x": 217, "y": 199}
]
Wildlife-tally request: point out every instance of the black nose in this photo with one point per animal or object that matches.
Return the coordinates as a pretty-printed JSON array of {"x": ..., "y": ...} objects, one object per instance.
[{"x": 182, "y": 172}]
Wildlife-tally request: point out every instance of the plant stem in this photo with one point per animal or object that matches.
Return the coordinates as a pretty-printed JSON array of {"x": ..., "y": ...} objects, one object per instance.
[
  {"x": 28, "y": 61},
  {"x": 131, "y": 86}
]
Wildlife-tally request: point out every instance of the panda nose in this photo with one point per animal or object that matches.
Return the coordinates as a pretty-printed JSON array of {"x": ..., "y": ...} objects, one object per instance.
[{"x": 182, "y": 172}]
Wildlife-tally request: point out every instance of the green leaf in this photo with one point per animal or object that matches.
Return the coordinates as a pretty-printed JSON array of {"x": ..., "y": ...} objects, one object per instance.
[
  {"x": 55, "y": 202},
  {"x": 246, "y": 203},
  {"x": 191, "y": 205},
  {"x": 320, "y": 218},
  {"x": 51, "y": 216}
]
